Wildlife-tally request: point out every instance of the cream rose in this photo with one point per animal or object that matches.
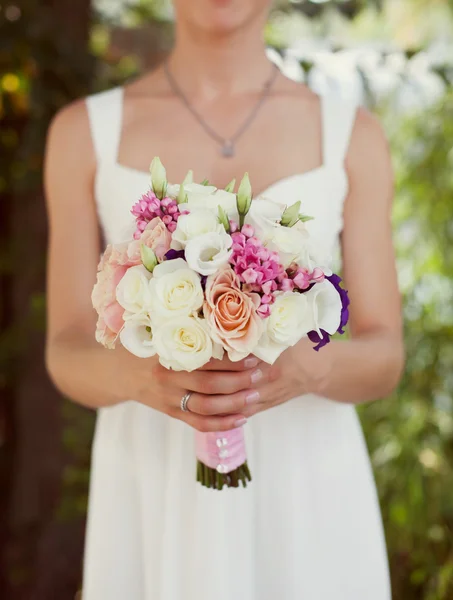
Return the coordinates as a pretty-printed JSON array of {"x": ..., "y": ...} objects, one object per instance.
[
  {"x": 184, "y": 344},
  {"x": 290, "y": 320},
  {"x": 263, "y": 216},
  {"x": 196, "y": 223},
  {"x": 291, "y": 244},
  {"x": 231, "y": 314},
  {"x": 133, "y": 292},
  {"x": 175, "y": 290},
  {"x": 207, "y": 253}
]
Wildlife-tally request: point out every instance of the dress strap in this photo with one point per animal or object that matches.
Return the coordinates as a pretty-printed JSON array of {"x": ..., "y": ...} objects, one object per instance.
[
  {"x": 105, "y": 116},
  {"x": 339, "y": 117}
]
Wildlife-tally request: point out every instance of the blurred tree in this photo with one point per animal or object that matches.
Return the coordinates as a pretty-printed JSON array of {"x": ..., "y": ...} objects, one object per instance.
[
  {"x": 44, "y": 64},
  {"x": 411, "y": 434}
]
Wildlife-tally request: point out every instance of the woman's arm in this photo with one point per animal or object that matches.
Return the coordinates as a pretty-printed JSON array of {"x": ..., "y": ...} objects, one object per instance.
[
  {"x": 81, "y": 368},
  {"x": 369, "y": 365}
]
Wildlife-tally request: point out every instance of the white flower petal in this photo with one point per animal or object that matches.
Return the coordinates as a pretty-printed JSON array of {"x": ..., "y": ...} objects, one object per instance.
[
  {"x": 326, "y": 304},
  {"x": 208, "y": 252},
  {"x": 136, "y": 337}
]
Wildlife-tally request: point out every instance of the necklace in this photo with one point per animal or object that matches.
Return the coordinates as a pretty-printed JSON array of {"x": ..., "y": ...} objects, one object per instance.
[{"x": 227, "y": 145}]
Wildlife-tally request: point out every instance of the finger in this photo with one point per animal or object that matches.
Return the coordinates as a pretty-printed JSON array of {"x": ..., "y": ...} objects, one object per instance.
[
  {"x": 217, "y": 382},
  {"x": 228, "y": 365},
  {"x": 214, "y": 424},
  {"x": 223, "y": 404}
]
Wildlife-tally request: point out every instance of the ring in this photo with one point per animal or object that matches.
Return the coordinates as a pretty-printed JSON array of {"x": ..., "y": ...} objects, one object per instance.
[{"x": 184, "y": 401}]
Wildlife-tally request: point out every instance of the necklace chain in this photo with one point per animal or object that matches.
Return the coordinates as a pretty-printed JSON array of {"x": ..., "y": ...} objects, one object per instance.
[{"x": 227, "y": 144}]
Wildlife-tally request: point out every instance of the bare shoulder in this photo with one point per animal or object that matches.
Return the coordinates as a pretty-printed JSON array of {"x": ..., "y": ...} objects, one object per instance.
[
  {"x": 369, "y": 148},
  {"x": 70, "y": 124},
  {"x": 69, "y": 144}
]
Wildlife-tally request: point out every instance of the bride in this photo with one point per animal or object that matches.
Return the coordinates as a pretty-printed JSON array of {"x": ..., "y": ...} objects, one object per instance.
[{"x": 308, "y": 526}]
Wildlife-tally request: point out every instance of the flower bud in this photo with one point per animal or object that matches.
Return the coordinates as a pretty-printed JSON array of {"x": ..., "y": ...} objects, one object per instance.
[
  {"x": 188, "y": 178},
  {"x": 149, "y": 258},
  {"x": 230, "y": 186},
  {"x": 182, "y": 196},
  {"x": 223, "y": 219},
  {"x": 244, "y": 198},
  {"x": 158, "y": 178}
]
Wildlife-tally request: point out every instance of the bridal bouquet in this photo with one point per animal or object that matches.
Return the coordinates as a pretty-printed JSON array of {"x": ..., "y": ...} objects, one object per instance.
[{"x": 210, "y": 272}]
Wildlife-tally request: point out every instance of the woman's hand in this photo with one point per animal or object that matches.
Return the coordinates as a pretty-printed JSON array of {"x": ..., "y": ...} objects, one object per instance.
[
  {"x": 222, "y": 391},
  {"x": 295, "y": 372}
]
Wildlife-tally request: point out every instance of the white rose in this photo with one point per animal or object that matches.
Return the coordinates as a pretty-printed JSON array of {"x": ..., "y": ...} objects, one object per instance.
[
  {"x": 212, "y": 201},
  {"x": 133, "y": 291},
  {"x": 263, "y": 217},
  {"x": 193, "y": 225},
  {"x": 184, "y": 344},
  {"x": 191, "y": 189},
  {"x": 290, "y": 320},
  {"x": 291, "y": 244},
  {"x": 326, "y": 307},
  {"x": 208, "y": 252},
  {"x": 175, "y": 290},
  {"x": 137, "y": 337}
]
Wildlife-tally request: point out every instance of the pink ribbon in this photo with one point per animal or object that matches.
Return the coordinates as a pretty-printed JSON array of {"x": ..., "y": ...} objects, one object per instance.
[{"x": 223, "y": 451}]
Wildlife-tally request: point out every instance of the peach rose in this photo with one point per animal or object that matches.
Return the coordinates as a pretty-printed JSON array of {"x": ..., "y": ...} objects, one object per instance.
[
  {"x": 112, "y": 267},
  {"x": 231, "y": 314},
  {"x": 156, "y": 236}
]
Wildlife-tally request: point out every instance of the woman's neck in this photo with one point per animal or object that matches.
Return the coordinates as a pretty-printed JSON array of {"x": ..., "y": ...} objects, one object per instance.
[{"x": 209, "y": 65}]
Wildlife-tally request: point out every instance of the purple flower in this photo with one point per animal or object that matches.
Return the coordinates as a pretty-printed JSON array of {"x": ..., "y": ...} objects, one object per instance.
[
  {"x": 172, "y": 254},
  {"x": 320, "y": 340},
  {"x": 335, "y": 280}
]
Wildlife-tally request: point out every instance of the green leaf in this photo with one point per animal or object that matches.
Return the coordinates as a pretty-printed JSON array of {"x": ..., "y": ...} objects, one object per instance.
[
  {"x": 291, "y": 215},
  {"x": 223, "y": 219},
  {"x": 205, "y": 182}
]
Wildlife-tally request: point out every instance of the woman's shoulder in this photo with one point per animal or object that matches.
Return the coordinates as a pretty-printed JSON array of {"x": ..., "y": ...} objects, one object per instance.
[{"x": 369, "y": 142}]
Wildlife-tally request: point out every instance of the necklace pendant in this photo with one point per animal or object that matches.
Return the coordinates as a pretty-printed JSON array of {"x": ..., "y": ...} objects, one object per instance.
[{"x": 228, "y": 149}]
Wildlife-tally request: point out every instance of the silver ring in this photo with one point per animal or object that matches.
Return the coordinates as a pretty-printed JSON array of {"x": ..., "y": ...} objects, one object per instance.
[{"x": 184, "y": 401}]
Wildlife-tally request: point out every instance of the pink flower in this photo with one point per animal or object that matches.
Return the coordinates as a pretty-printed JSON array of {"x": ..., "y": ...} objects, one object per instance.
[
  {"x": 302, "y": 279},
  {"x": 232, "y": 314},
  {"x": 155, "y": 236},
  {"x": 287, "y": 285},
  {"x": 247, "y": 230},
  {"x": 112, "y": 267},
  {"x": 317, "y": 275},
  {"x": 264, "y": 311}
]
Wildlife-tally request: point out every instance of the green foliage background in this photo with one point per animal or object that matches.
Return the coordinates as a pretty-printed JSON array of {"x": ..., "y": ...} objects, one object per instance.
[{"x": 43, "y": 65}]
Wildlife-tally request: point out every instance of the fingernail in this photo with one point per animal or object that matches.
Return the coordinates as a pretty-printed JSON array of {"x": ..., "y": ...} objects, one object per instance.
[
  {"x": 240, "y": 422},
  {"x": 251, "y": 362},
  {"x": 252, "y": 397},
  {"x": 257, "y": 375}
]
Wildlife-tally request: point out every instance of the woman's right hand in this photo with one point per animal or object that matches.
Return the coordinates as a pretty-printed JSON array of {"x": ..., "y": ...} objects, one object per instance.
[{"x": 220, "y": 391}]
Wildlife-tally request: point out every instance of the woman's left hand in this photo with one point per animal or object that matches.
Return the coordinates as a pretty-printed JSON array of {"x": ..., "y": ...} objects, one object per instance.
[{"x": 293, "y": 374}]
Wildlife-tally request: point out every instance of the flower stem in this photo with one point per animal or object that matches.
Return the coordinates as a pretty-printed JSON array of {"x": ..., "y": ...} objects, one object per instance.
[{"x": 211, "y": 478}]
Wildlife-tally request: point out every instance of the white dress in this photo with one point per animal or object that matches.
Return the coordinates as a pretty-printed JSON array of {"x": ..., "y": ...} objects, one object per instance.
[{"x": 307, "y": 527}]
